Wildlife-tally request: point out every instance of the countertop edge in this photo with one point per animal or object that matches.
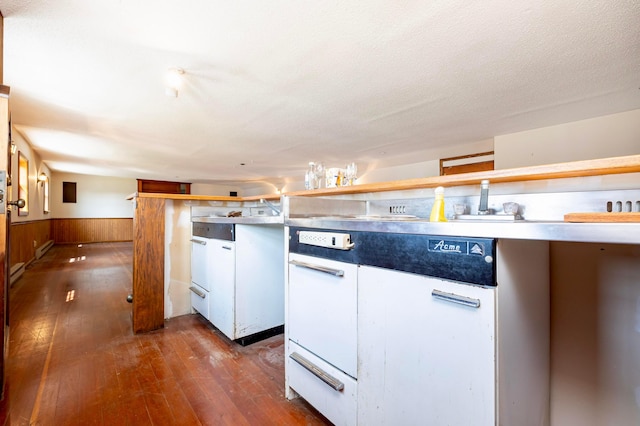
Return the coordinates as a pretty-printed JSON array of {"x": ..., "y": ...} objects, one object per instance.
[
  {"x": 616, "y": 233},
  {"x": 243, "y": 220}
]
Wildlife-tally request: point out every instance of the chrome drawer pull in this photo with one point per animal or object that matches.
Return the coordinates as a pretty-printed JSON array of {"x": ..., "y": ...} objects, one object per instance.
[
  {"x": 226, "y": 247},
  {"x": 197, "y": 292},
  {"x": 454, "y": 298},
  {"x": 330, "y": 271},
  {"x": 317, "y": 371},
  {"x": 204, "y": 243}
]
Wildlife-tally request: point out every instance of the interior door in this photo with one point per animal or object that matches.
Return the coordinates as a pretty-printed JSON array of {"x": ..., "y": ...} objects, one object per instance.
[{"x": 5, "y": 137}]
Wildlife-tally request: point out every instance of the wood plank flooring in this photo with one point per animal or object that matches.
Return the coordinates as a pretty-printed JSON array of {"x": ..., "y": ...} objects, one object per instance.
[{"x": 74, "y": 360}]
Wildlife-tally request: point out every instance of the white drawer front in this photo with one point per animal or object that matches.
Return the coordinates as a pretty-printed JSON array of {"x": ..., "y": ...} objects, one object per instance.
[
  {"x": 199, "y": 262},
  {"x": 339, "y": 406},
  {"x": 323, "y": 310},
  {"x": 199, "y": 303}
]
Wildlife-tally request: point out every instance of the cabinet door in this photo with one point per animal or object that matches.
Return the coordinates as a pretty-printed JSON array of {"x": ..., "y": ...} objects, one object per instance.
[
  {"x": 424, "y": 360},
  {"x": 222, "y": 298}
]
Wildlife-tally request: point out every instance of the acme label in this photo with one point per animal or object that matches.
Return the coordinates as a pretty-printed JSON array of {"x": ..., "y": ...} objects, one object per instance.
[{"x": 445, "y": 246}]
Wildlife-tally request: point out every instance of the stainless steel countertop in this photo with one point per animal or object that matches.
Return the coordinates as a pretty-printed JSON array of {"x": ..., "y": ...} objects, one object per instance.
[
  {"x": 623, "y": 233},
  {"x": 241, "y": 220}
]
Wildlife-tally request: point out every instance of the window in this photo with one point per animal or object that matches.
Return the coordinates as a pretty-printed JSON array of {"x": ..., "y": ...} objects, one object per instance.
[
  {"x": 45, "y": 192},
  {"x": 23, "y": 183},
  {"x": 467, "y": 163}
]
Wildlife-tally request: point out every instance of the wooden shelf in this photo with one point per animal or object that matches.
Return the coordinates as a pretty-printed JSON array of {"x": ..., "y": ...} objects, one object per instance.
[{"x": 599, "y": 167}]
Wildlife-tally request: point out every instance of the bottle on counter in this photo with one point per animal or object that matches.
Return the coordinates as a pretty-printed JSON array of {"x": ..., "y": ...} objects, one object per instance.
[
  {"x": 319, "y": 171},
  {"x": 310, "y": 177},
  {"x": 437, "y": 211}
]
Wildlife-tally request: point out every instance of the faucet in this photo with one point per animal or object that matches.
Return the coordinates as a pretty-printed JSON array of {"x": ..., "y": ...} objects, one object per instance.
[
  {"x": 271, "y": 206},
  {"x": 483, "y": 208}
]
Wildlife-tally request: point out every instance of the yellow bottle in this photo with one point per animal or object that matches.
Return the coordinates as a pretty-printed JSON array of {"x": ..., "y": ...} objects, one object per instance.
[{"x": 437, "y": 212}]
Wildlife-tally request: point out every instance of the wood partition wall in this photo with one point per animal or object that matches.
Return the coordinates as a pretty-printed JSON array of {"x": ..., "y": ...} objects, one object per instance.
[
  {"x": 148, "y": 264},
  {"x": 26, "y": 237}
]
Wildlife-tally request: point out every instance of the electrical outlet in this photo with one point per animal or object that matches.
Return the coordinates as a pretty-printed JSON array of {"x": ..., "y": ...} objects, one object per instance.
[
  {"x": 623, "y": 206},
  {"x": 35, "y": 244},
  {"x": 326, "y": 239},
  {"x": 397, "y": 209}
]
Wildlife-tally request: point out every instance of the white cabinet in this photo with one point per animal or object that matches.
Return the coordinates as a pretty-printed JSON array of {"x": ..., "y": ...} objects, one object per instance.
[
  {"x": 259, "y": 274},
  {"x": 438, "y": 352},
  {"x": 200, "y": 275},
  {"x": 426, "y": 350},
  {"x": 322, "y": 354},
  {"x": 247, "y": 281},
  {"x": 199, "y": 271},
  {"x": 338, "y": 405},
  {"x": 323, "y": 309},
  {"x": 222, "y": 298}
]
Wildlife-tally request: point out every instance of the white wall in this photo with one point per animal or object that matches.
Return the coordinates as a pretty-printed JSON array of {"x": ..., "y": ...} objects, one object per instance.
[
  {"x": 407, "y": 171},
  {"x": 601, "y": 137},
  {"x": 212, "y": 189},
  {"x": 36, "y": 195},
  {"x": 97, "y": 196},
  {"x": 177, "y": 259},
  {"x": 427, "y": 168}
]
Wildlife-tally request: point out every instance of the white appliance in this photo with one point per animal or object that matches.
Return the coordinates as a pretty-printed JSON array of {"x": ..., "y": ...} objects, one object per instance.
[
  {"x": 322, "y": 330},
  {"x": 450, "y": 330},
  {"x": 203, "y": 249},
  {"x": 427, "y": 347},
  {"x": 241, "y": 268}
]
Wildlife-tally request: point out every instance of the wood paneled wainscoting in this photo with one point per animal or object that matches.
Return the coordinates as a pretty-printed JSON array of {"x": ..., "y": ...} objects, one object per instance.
[
  {"x": 26, "y": 237},
  {"x": 91, "y": 230}
]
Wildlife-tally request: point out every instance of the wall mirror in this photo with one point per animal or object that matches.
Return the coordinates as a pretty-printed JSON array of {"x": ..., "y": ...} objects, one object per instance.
[{"x": 23, "y": 183}]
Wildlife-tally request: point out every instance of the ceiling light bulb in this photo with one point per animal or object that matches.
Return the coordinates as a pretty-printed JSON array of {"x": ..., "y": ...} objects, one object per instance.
[{"x": 173, "y": 79}]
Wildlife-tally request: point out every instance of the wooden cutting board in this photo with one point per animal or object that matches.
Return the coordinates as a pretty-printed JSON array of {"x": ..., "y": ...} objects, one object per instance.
[{"x": 602, "y": 217}]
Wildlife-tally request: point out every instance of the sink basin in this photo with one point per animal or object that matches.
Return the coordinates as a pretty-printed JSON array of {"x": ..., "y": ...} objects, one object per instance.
[
  {"x": 488, "y": 217},
  {"x": 398, "y": 217},
  {"x": 388, "y": 217}
]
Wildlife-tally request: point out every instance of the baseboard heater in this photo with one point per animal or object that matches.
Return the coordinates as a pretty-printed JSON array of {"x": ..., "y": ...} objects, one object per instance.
[
  {"x": 40, "y": 251},
  {"x": 16, "y": 272}
]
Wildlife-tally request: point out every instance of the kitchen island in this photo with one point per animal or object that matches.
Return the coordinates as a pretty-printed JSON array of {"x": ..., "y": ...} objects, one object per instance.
[{"x": 162, "y": 221}]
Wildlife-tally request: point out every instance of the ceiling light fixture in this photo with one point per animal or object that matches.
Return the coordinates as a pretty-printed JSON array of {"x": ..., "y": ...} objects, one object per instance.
[{"x": 173, "y": 81}]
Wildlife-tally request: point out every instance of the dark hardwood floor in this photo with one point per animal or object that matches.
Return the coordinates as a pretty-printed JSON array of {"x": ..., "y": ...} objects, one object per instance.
[{"x": 73, "y": 359}]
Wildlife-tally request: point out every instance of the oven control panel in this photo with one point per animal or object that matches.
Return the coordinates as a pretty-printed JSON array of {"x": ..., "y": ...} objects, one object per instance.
[{"x": 334, "y": 240}]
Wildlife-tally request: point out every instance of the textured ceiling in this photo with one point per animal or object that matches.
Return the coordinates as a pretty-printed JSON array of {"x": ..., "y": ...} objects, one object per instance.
[{"x": 275, "y": 84}]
